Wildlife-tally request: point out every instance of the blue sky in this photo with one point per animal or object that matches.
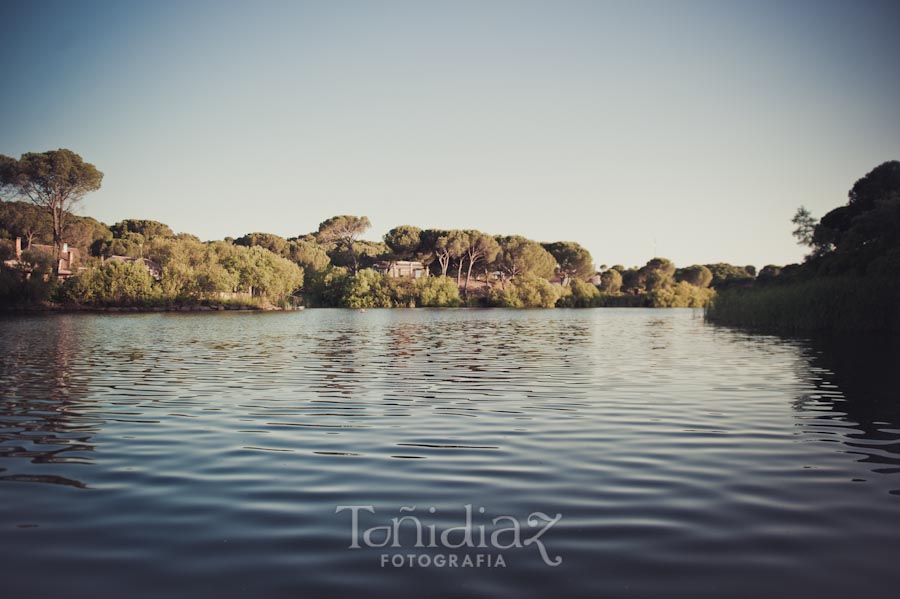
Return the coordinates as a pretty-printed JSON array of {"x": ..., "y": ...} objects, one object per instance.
[{"x": 694, "y": 128}]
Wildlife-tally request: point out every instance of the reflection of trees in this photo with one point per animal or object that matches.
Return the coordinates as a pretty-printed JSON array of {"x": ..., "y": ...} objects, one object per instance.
[
  {"x": 336, "y": 358},
  {"x": 856, "y": 378},
  {"x": 44, "y": 382},
  {"x": 452, "y": 357},
  {"x": 404, "y": 342}
]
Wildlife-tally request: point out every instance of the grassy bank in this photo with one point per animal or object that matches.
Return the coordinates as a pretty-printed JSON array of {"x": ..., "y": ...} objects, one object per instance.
[{"x": 840, "y": 304}]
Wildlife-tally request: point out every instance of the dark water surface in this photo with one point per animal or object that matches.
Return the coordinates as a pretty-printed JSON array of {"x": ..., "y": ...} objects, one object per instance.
[{"x": 205, "y": 455}]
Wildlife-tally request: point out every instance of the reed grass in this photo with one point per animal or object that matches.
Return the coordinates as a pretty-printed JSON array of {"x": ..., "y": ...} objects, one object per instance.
[{"x": 839, "y": 304}]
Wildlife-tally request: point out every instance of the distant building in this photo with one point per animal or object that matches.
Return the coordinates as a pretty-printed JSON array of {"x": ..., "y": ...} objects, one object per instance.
[
  {"x": 66, "y": 258},
  {"x": 401, "y": 269}
]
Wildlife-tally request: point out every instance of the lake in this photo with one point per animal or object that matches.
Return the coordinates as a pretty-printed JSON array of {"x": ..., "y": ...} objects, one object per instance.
[{"x": 601, "y": 453}]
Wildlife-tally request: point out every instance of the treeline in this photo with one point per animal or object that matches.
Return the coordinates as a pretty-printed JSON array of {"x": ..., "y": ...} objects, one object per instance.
[
  {"x": 852, "y": 267},
  {"x": 485, "y": 270},
  {"x": 850, "y": 280},
  {"x": 144, "y": 262},
  {"x": 333, "y": 267}
]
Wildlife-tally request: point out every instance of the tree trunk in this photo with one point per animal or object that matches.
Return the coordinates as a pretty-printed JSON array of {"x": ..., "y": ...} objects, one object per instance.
[
  {"x": 62, "y": 224},
  {"x": 468, "y": 276},
  {"x": 57, "y": 233},
  {"x": 57, "y": 239},
  {"x": 354, "y": 258}
]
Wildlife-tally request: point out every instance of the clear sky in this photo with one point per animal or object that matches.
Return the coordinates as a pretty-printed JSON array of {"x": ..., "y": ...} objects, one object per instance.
[{"x": 696, "y": 128}]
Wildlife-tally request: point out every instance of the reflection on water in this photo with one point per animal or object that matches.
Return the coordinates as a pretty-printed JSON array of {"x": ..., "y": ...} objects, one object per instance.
[
  {"x": 855, "y": 379},
  {"x": 37, "y": 417},
  {"x": 205, "y": 454}
]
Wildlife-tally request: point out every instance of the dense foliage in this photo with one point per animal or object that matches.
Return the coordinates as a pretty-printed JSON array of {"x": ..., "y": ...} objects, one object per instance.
[
  {"x": 191, "y": 272},
  {"x": 144, "y": 262},
  {"x": 34, "y": 225},
  {"x": 527, "y": 291},
  {"x": 113, "y": 284},
  {"x": 333, "y": 267},
  {"x": 35, "y": 287},
  {"x": 849, "y": 280},
  {"x": 337, "y": 287},
  {"x": 56, "y": 181},
  {"x": 842, "y": 303}
]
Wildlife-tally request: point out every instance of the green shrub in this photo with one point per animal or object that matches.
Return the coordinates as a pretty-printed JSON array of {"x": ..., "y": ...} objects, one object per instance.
[
  {"x": 526, "y": 291},
  {"x": 611, "y": 281},
  {"x": 437, "y": 292},
  {"x": 33, "y": 284},
  {"x": 334, "y": 287},
  {"x": 17, "y": 290},
  {"x": 113, "y": 284},
  {"x": 680, "y": 295},
  {"x": 326, "y": 288},
  {"x": 368, "y": 289},
  {"x": 581, "y": 294}
]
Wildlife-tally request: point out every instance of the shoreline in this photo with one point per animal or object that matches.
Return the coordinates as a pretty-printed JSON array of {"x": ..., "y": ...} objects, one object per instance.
[
  {"x": 206, "y": 308},
  {"x": 60, "y": 309}
]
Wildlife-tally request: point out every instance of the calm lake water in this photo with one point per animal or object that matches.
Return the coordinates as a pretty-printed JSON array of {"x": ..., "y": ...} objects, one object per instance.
[{"x": 206, "y": 455}]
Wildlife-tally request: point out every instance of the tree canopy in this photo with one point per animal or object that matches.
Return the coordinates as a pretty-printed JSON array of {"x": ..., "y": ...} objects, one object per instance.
[
  {"x": 308, "y": 254},
  {"x": 519, "y": 255},
  {"x": 573, "y": 261},
  {"x": 860, "y": 229},
  {"x": 477, "y": 247},
  {"x": 866, "y": 231},
  {"x": 611, "y": 281},
  {"x": 658, "y": 273},
  {"x": 149, "y": 229},
  {"x": 805, "y": 226},
  {"x": 34, "y": 225},
  {"x": 727, "y": 275},
  {"x": 404, "y": 241},
  {"x": 25, "y": 220},
  {"x": 697, "y": 275},
  {"x": 447, "y": 247},
  {"x": 56, "y": 180},
  {"x": 342, "y": 232},
  {"x": 270, "y": 241}
]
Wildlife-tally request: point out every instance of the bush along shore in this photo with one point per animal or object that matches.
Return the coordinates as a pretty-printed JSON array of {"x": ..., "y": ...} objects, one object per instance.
[
  {"x": 200, "y": 307},
  {"x": 850, "y": 281}
]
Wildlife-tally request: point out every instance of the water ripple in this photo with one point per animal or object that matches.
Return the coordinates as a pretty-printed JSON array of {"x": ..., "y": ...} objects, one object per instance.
[{"x": 205, "y": 454}]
